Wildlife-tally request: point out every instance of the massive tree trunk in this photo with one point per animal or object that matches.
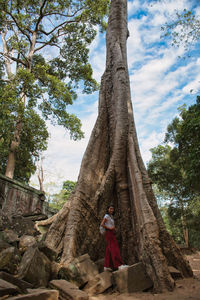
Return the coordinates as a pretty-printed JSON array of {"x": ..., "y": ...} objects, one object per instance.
[{"x": 112, "y": 171}]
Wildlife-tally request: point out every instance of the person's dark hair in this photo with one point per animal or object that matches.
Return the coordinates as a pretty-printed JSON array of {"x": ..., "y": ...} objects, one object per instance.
[{"x": 111, "y": 205}]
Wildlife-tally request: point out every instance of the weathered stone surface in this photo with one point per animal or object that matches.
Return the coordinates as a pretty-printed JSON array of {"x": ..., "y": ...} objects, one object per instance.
[
  {"x": 9, "y": 236},
  {"x": 21, "y": 284},
  {"x": 38, "y": 295},
  {"x": 175, "y": 273},
  {"x": 100, "y": 264},
  {"x": 3, "y": 245},
  {"x": 19, "y": 199},
  {"x": 7, "y": 288},
  {"x": 21, "y": 225},
  {"x": 99, "y": 283},
  {"x": 26, "y": 241},
  {"x": 68, "y": 290},
  {"x": 79, "y": 271},
  {"x": 132, "y": 279},
  {"x": 35, "y": 267},
  {"x": 50, "y": 253},
  {"x": 9, "y": 260},
  {"x": 55, "y": 267}
]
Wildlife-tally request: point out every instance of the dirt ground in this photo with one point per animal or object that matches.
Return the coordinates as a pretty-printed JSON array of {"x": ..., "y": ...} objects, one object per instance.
[{"x": 186, "y": 289}]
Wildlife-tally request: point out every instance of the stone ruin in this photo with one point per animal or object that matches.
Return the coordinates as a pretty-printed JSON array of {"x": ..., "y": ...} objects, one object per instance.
[
  {"x": 29, "y": 269},
  {"x": 19, "y": 199}
]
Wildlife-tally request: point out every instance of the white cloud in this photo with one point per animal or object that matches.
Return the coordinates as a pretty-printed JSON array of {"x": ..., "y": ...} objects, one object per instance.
[
  {"x": 133, "y": 6},
  {"x": 150, "y": 142}
]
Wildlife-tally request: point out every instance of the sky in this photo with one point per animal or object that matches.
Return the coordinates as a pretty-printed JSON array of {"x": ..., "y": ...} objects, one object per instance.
[{"x": 161, "y": 79}]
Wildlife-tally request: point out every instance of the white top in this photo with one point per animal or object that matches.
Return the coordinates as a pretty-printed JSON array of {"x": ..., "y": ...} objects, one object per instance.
[{"x": 109, "y": 221}]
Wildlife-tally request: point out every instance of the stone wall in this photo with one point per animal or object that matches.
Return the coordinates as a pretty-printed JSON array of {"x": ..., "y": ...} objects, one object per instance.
[{"x": 19, "y": 199}]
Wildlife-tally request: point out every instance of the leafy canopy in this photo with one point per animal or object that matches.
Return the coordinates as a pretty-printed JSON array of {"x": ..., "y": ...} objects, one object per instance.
[
  {"x": 48, "y": 41},
  {"x": 43, "y": 61}
]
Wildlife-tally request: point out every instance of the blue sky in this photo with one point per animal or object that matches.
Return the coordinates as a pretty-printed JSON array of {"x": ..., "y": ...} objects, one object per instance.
[{"x": 160, "y": 82}]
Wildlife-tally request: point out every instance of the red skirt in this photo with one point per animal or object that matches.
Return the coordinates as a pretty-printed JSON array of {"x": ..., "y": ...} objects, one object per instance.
[{"x": 112, "y": 255}]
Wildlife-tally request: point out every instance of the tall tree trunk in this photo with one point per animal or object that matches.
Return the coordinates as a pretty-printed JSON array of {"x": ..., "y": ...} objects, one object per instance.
[
  {"x": 112, "y": 171},
  {"x": 10, "y": 168},
  {"x": 15, "y": 143}
]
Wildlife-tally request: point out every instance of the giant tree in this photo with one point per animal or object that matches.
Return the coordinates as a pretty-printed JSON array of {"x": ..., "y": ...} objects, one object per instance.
[
  {"x": 112, "y": 171},
  {"x": 45, "y": 54}
]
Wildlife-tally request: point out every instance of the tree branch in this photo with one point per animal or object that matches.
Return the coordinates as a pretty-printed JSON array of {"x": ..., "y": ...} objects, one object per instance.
[
  {"x": 19, "y": 27},
  {"x": 49, "y": 42},
  {"x": 62, "y": 24},
  {"x": 5, "y": 53},
  {"x": 41, "y": 15},
  {"x": 13, "y": 58},
  {"x": 64, "y": 15},
  {"x": 46, "y": 44}
]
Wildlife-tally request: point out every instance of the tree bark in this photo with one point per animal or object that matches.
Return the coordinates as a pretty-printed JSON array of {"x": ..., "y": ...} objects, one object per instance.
[
  {"x": 10, "y": 168},
  {"x": 112, "y": 171}
]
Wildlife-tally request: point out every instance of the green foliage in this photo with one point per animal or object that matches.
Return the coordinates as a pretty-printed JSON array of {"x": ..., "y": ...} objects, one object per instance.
[
  {"x": 184, "y": 133},
  {"x": 47, "y": 43},
  {"x": 33, "y": 141},
  {"x": 58, "y": 200},
  {"x": 175, "y": 171},
  {"x": 185, "y": 29}
]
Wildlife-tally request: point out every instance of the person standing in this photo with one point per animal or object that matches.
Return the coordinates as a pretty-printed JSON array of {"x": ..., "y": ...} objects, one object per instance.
[{"x": 113, "y": 258}]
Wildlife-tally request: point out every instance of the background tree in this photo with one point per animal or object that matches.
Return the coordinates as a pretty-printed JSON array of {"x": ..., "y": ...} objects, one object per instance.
[
  {"x": 170, "y": 178},
  {"x": 184, "y": 134},
  {"x": 29, "y": 31},
  {"x": 175, "y": 171},
  {"x": 185, "y": 29},
  {"x": 33, "y": 137},
  {"x": 59, "y": 199},
  {"x": 112, "y": 170}
]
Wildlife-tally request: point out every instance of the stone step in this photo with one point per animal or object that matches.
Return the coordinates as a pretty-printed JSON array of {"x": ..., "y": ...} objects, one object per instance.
[
  {"x": 38, "y": 295},
  {"x": 68, "y": 290},
  {"x": 22, "y": 285},
  {"x": 7, "y": 288},
  {"x": 99, "y": 284},
  {"x": 132, "y": 279}
]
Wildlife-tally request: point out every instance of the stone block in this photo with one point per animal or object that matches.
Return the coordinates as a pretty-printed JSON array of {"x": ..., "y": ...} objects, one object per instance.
[
  {"x": 18, "y": 198},
  {"x": 9, "y": 236},
  {"x": 175, "y": 273},
  {"x": 68, "y": 290},
  {"x": 26, "y": 241},
  {"x": 21, "y": 284},
  {"x": 79, "y": 271},
  {"x": 35, "y": 267},
  {"x": 100, "y": 283},
  {"x": 9, "y": 260},
  {"x": 55, "y": 267},
  {"x": 132, "y": 279},
  {"x": 3, "y": 245},
  {"x": 49, "y": 252},
  {"x": 100, "y": 264},
  {"x": 7, "y": 288},
  {"x": 38, "y": 295}
]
